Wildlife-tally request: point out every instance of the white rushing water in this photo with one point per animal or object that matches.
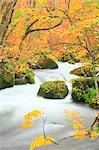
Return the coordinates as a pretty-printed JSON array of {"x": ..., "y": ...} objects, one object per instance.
[{"x": 18, "y": 101}]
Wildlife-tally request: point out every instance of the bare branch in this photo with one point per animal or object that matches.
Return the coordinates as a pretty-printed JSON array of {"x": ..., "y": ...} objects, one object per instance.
[
  {"x": 95, "y": 121},
  {"x": 44, "y": 134},
  {"x": 28, "y": 30},
  {"x": 68, "y": 5},
  {"x": 32, "y": 24},
  {"x": 10, "y": 32},
  {"x": 85, "y": 47},
  {"x": 68, "y": 17},
  {"x": 63, "y": 43},
  {"x": 87, "y": 38},
  {"x": 44, "y": 121},
  {"x": 65, "y": 138},
  {"x": 49, "y": 28}
]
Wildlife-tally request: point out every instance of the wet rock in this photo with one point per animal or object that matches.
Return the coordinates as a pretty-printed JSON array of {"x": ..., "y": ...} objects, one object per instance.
[
  {"x": 42, "y": 62},
  {"x": 53, "y": 90},
  {"x": 6, "y": 77}
]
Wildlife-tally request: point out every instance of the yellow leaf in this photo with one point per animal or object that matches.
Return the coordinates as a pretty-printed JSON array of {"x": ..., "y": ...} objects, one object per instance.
[
  {"x": 42, "y": 1},
  {"x": 26, "y": 124},
  {"x": 80, "y": 134},
  {"x": 33, "y": 114},
  {"x": 41, "y": 141},
  {"x": 71, "y": 113},
  {"x": 94, "y": 135},
  {"x": 77, "y": 124}
]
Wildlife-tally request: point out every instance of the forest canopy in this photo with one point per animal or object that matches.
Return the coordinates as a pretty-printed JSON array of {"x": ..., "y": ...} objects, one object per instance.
[{"x": 54, "y": 28}]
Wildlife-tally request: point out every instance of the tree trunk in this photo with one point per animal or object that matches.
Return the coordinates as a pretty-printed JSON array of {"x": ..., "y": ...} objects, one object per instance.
[
  {"x": 6, "y": 20},
  {"x": 32, "y": 3},
  {"x": 96, "y": 82}
]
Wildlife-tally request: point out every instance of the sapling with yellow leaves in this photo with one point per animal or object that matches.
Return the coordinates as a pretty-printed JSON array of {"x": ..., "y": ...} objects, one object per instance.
[{"x": 80, "y": 129}]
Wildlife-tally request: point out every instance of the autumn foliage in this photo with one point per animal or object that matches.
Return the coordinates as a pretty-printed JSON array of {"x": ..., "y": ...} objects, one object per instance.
[
  {"x": 52, "y": 27},
  {"x": 55, "y": 28},
  {"x": 80, "y": 129}
]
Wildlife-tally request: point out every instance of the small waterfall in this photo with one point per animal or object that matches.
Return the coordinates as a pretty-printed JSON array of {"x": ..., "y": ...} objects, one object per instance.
[{"x": 37, "y": 79}]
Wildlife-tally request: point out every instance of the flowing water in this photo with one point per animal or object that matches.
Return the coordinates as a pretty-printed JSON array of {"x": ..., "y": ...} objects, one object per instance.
[{"x": 17, "y": 101}]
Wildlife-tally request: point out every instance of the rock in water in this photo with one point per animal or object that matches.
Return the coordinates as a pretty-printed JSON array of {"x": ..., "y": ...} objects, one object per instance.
[
  {"x": 43, "y": 62},
  {"x": 53, "y": 90}
]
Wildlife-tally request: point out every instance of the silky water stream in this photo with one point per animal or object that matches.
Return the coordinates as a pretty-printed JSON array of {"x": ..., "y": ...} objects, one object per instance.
[{"x": 17, "y": 101}]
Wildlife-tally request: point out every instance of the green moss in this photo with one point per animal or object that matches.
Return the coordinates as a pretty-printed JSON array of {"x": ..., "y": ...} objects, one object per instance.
[
  {"x": 6, "y": 77},
  {"x": 18, "y": 13},
  {"x": 24, "y": 78},
  {"x": 42, "y": 62},
  {"x": 86, "y": 70},
  {"x": 83, "y": 90},
  {"x": 20, "y": 81},
  {"x": 53, "y": 90},
  {"x": 30, "y": 77}
]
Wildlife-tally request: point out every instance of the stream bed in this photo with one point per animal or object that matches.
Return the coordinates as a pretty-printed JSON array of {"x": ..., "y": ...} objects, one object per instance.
[{"x": 17, "y": 101}]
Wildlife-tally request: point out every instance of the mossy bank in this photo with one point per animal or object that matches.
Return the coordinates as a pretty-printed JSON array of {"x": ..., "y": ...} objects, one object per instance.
[
  {"x": 83, "y": 90},
  {"x": 8, "y": 78},
  {"x": 86, "y": 70}
]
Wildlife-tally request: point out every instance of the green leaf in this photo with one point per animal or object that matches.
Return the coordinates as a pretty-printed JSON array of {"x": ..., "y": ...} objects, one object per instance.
[{"x": 18, "y": 13}]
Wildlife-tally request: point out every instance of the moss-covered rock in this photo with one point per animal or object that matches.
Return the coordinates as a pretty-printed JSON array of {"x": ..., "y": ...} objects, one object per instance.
[
  {"x": 20, "y": 81},
  {"x": 83, "y": 90},
  {"x": 24, "y": 78},
  {"x": 53, "y": 90},
  {"x": 42, "y": 62},
  {"x": 6, "y": 77},
  {"x": 86, "y": 70}
]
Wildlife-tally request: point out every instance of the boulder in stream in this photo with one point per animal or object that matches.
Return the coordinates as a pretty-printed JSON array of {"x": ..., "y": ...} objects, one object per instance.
[
  {"x": 41, "y": 61},
  {"x": 6, "y": 77},
  {"x": 53, "y": 90}
]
